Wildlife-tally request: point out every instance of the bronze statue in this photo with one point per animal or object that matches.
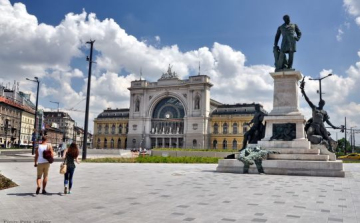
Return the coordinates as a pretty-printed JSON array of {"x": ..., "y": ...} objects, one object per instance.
[
  {"x": 257, "y": 130},
  {"x": 315, "y": 128},
  {"x": 288, "y": 44}
]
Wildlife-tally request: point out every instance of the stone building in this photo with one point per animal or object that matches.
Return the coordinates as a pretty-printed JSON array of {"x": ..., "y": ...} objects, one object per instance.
[
  {"x": 17, "y": 117},
  {"x": 173, "y": 113},
  {"x": 79, "y": 137},
  {"x": 111, "y": 128},
  {"x": 54, "y": 135},
  {"x": 65, "y": 122}
]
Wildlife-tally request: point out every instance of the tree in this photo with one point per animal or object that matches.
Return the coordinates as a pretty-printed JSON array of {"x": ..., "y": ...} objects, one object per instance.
[{"x": 341, "y": 145}]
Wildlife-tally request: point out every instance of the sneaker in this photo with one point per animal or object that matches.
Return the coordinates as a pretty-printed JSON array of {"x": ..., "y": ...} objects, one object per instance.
[
  {"x": 44, "y": 192},
  {"x": 65, "y": 190},
  {"x": 69, "y": 192},
  {"x": 37, "y": 190}
]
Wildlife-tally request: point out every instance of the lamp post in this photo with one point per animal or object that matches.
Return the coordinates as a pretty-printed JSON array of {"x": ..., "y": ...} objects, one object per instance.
[
  {"x": 56, "y": 102},
  {"x": 319, "y": 79},
  {"x": 352, "y": 135},
  {"x": 36, "y": 79},
  {"x": 91, "y": 42}
]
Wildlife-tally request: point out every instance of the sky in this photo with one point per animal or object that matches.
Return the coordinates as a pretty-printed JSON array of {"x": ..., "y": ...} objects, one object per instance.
[{"x": 232, "y": 40}]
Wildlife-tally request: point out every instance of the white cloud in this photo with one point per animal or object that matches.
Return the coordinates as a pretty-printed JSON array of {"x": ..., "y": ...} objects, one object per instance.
[{"x": 339, "y": 35}]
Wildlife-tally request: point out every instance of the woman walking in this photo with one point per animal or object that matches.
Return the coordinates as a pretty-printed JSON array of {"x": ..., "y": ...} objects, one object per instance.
[
  {"x": 42, "y": 164},
  {"x": 71, "y": 156}
]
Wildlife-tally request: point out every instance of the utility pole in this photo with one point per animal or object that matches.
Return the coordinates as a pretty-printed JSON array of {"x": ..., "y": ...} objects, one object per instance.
[
  {"x": 91, "y": 42},
  {"x": 36, "y": 111},
  {"x": 345, "y": 137}
]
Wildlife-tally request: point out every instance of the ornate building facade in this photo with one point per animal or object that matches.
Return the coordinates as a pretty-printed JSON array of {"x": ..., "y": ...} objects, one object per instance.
[{"x": 173, "y": 113}]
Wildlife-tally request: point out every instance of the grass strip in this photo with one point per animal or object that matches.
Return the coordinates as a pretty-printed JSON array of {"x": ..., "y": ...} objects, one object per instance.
[
  {"x": 6, "y": 183},
  {"x": 154, "y": 159}
]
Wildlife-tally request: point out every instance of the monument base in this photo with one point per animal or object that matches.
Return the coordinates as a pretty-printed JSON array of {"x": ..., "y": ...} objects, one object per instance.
[
  {"x": 287, "y": 167},
  {"x": 314, "y": 161}
]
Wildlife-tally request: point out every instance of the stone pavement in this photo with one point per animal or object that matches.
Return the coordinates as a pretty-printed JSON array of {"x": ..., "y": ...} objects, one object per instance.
[{"x": 178, "y": 193}]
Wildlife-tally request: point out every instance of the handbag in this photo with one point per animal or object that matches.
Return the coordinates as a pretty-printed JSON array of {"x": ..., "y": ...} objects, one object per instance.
[
  {"x": 47, "y": 154},
  {"x": 63, "y": 167}
]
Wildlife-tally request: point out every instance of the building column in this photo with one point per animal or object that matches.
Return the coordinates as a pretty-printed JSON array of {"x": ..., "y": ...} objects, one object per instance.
[
  {"x": 177, "y": 142},
  {"x": 170, "y": 142},
  {"x": 156, "y": 143},
  {"x": 163, "y": 142}
]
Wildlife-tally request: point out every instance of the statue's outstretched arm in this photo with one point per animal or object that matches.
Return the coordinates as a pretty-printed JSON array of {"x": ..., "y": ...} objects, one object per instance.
[
  {"x": 277, "y": 37},
  {"x": 327, "y": 120}
]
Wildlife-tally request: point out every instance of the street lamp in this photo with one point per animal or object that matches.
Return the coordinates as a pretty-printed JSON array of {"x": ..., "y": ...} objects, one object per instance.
[
  {"x": 89, "y": 59},
  {"x": 319, "y": 79},
  {"x": 56, "y": 102},
  {"x": 36, "y": 110}
]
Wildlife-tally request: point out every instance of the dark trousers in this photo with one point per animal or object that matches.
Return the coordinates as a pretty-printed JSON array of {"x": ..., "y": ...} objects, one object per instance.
[
  {"x": 258, "y": 164},
  {"x": 68, "y": 177}
]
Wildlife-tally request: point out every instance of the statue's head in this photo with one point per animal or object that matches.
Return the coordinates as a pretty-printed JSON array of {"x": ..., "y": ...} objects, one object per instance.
[
  {"x": 286, "y": 19},
  {"x": 321, "y": 103},
  {"x": 257, "y": 107}
]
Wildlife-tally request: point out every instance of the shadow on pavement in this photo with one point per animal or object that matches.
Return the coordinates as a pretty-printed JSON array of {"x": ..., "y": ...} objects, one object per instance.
[{"x": 34, "y": 195}]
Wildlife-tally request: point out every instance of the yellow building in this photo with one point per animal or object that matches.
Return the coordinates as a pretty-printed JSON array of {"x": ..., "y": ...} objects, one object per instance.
[
  {"x": 228, "y": 123},
  {"x": 27, "y": 127},
  {"x": 111, "y": 128}
]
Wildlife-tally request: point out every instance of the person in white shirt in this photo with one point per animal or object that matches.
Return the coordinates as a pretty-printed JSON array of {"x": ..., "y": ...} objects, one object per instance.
[{"x": 42, "y": 164}]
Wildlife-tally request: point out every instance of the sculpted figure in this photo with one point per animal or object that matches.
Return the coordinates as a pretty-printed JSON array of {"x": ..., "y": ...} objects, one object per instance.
[
  {"x": 315, "y": 128},
  {"x": 257, "y": 130},
  {"x": 288, "y": 44}
]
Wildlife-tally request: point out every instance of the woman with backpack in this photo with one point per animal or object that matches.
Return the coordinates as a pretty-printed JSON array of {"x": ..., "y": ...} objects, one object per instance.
[
  {"x": 42, "y": 163},
  {"x": 71, "y": 156}
]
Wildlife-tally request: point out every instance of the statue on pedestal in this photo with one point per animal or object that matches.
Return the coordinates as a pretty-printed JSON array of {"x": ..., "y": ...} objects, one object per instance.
[
  {"x": 288, "y": 44},
  {"x": 257, "y": 130},
  {"x": 315, "y": 128}
]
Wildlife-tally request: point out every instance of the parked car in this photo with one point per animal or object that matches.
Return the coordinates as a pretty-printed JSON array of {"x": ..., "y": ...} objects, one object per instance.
[{"x": 353, "y": 156}]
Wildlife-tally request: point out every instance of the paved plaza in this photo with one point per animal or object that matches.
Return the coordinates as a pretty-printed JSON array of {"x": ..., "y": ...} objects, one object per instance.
[{"x": 178, "y": 193}]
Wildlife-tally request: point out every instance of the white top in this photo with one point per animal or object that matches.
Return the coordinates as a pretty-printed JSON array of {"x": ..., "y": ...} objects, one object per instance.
[{"x": 41, "y": 150}]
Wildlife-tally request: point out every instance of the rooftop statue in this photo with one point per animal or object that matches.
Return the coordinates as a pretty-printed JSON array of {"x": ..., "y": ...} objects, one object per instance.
[
  {"x": 169, "y": 74},
  {"x": 288, "y": 44}
]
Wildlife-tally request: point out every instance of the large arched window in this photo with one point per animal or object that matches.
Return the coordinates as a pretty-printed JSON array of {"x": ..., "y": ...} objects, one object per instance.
[
  {"x": 99, "y": 129},
  {"x": 225, "y": 128},
  {"x": 216, "y": 128},
  {"x": 194, "y": 143},
  {"x": 112, "y": 144},
  {"x": 113, "y": 129},
  {"x": 127, "y": 128},
  {"x": 235, "y": 128},
  {"x": 98, "y": 143},
  {"x": 120, "y": 129},
  {"x": 215, "y": 144},
  {"x": 234, "y": 144},
  {"x": 105, "y": 143},
  {"x": 106, "y": 129},
  {"x": 169, "y": 108},
  {"x": 224, "y": 144},
  {"x": 119, "y": 143}
]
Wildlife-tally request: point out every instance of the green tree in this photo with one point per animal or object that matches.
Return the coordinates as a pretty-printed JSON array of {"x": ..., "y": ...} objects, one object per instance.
[{"x": 341, "y": 146}]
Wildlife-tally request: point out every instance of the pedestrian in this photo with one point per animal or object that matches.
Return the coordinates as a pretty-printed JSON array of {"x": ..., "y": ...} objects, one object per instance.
[
  {"x": 71, "y": 156},
  {"x": 42, "y": 164}
]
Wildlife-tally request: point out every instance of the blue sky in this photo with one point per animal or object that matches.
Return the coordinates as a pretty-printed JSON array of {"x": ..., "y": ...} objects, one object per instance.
[{"x": 232, "y": 39}]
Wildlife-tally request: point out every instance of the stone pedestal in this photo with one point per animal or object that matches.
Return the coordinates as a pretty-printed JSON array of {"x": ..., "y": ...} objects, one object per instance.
[{"x": 285, "y": 110}]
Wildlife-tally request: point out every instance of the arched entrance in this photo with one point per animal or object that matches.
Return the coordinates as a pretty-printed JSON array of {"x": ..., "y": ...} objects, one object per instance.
[{"x": 167, "y": 124}]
